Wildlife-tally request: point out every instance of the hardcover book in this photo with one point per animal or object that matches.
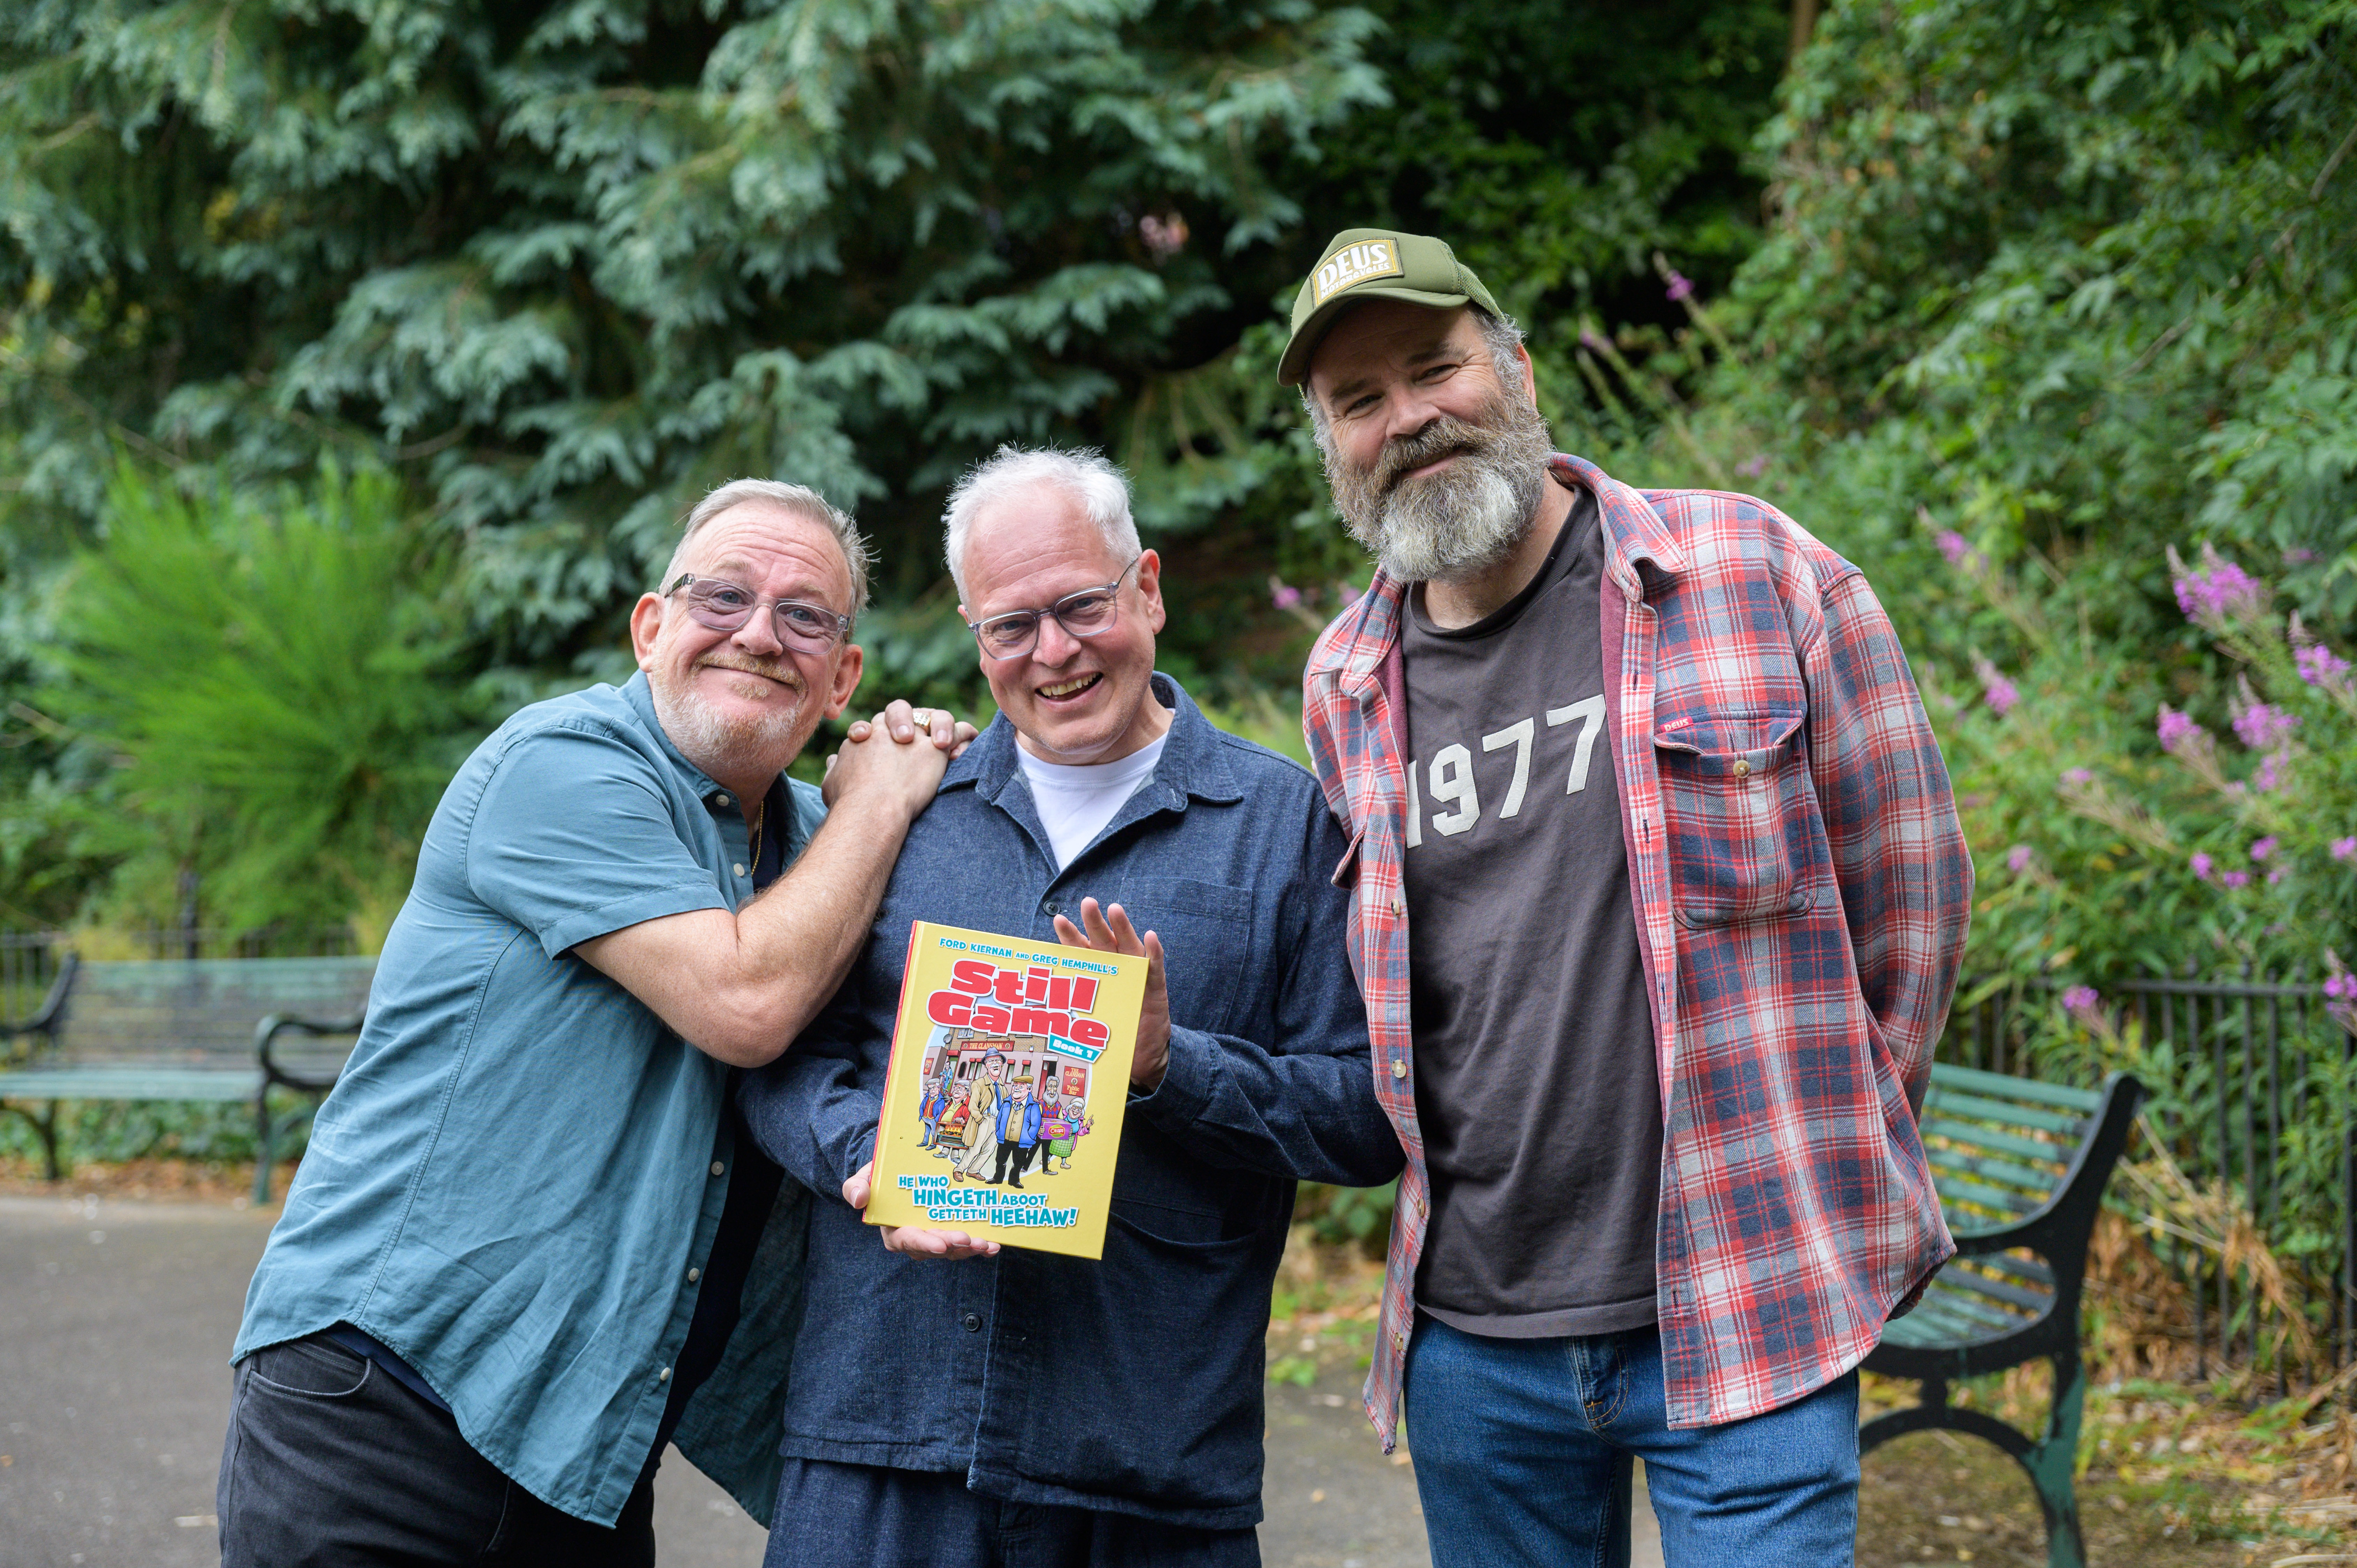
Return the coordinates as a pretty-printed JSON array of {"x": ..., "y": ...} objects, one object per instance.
[{"x": 1003, "y": 1103}]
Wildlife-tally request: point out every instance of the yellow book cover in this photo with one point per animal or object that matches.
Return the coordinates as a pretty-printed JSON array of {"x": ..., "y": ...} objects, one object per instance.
[{"x": 1003, "y": 1103}]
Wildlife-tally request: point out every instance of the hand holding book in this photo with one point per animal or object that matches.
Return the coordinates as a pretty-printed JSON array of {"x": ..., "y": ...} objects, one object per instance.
[{"x": 1110, "y": 931}]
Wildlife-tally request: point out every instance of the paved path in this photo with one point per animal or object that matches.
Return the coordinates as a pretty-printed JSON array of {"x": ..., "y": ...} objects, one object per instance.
[{"x": 114, "y": 1317}]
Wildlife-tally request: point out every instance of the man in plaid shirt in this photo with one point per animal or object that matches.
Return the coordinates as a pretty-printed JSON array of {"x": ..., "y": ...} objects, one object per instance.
[{"x": 1647, "y": 779}]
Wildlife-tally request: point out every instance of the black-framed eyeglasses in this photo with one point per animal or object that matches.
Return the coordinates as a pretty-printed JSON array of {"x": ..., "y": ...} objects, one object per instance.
[
  {"x": 1084, "y": 614},
  {"x": 726, "y": 607}
]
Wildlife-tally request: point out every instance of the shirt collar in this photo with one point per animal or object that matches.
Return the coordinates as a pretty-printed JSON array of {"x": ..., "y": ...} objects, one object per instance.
[{"x": 1193, "y": 765}]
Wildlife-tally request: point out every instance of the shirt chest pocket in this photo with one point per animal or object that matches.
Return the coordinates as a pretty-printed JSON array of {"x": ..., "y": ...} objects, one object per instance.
[
  {"x": 1206, "y": 933},
  {"x": 1736, "y": 797}
]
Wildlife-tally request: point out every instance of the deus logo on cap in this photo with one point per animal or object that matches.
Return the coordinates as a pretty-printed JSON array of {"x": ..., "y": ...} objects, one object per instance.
[{"x": 1355, "y": 263}]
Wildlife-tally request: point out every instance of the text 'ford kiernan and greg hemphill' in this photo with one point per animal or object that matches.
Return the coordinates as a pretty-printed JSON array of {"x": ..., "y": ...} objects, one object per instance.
[{"x": 914, "y": 1154}]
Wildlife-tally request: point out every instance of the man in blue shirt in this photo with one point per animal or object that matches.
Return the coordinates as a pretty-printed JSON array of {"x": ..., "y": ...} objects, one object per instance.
[
  {"x": 956, "y": 1405},
  {"x": 510, "y": 1263}
]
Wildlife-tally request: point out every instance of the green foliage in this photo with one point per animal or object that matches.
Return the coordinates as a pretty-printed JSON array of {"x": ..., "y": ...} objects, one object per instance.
[{"x": 268, "y": 683}]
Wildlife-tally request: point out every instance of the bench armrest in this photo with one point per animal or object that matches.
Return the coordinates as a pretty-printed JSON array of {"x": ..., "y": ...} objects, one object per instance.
[
  {"x": 265, "y": 1036},
  {"x": 45, "y": 1021},
  {"x": 2058, "y": 1229}
]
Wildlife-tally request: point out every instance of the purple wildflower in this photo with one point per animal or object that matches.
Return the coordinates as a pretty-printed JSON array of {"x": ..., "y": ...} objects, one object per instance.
[
  {"x": 2264, "y": 847},
  {"x": 2176, "y": 728},
  {"x": 2002, "y": 693},
  {"x": 1752, "y": 467},
  {"x": 2298, "y": 556},
  {"x": 1284, "y": 595},
  {"x": 2269, "y": 775},
  {"x": 1680, "y": 287},
  {"x": 2081, "y": 999},
  {"x": 2320, "y": 666},
  {"x": 2262, "y": 727},
  {"x": 1592, "y": 343},
  {"x": 2341, "y": 987},
  {"x": 2078, "y": 778},
  {"x": 2203, "y": 866},
  {"x": 2218, "y": 591},
  {"x": 2345, "y": 849},
  {"x": 2277, "y": 874},
  {"x": 1955, "y": 547},
  {"x": 2236, "y": 879},
  {"x": 2017, "y": 859}
]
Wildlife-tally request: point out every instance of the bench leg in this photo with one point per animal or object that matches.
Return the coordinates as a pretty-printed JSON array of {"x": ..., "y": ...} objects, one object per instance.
[
  {"x": 2053, "y": 1465},
  {"x": 45, "y": 1128},
  {"x": 262, "y": 1146}
]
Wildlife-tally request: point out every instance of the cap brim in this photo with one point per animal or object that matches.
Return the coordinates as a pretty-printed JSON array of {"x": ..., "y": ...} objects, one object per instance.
[{"x": 1293, "y": 367}]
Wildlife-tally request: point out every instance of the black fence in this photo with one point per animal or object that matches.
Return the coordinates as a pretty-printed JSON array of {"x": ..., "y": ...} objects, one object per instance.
[
  {"x": 2250, "y": 1082},
  {"x": 28, "y": 959}
]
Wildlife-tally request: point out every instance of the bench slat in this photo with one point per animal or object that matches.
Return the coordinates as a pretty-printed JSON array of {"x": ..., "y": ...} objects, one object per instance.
[
  {"x": 1936, "y": 1125},
  {"x": 1972, "y": 1080},
  {"x": 131, "y": 1083},
  {"x": 2004, "y": 1115},
  {"x": 1996, "y": 1289},
  {"x": 1945, "y": 1314},
  {"x": 1976, "y": 1308},
  {"x": 2041, "y": 1182},
  {"x": 1957, "y": 1190}
]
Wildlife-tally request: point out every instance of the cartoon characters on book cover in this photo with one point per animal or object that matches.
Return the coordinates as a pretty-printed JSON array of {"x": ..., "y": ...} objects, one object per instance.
[{"x": 1003, "y": 1103}]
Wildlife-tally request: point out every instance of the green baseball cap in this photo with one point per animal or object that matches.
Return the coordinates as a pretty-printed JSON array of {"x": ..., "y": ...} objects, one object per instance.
[{"x": 1361, "y": 264}]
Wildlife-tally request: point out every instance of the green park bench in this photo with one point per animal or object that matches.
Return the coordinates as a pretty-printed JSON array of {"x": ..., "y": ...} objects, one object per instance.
[
  {"x": 215, "y": 1030},
  {"x": 2020, "y": 1168}
]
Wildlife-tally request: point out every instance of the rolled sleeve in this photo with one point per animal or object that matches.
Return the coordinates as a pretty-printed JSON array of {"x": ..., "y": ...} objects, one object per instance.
[{"x": 573, "y": 838}]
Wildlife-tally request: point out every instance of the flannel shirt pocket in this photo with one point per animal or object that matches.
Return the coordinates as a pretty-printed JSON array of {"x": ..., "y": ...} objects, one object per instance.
[{"x": 1736, "y": 797}]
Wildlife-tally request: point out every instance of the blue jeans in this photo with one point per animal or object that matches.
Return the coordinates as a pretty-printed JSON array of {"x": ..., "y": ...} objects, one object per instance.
[{"x": 1524, "y": 1450}]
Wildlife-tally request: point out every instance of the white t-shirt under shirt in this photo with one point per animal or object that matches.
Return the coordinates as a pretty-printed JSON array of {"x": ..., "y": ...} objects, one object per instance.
[{"x": 1075, "y": 803}]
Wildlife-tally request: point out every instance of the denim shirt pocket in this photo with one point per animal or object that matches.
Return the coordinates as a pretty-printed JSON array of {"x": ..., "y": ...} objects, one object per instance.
[
  {"x": 1206, "y": 929},
  {"x": 1736, "y": 803}
]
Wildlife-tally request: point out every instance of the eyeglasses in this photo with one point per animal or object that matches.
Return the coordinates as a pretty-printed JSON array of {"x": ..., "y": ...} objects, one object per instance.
[
  {"x": 726, "y": 607},
  {"x": 1083, "y": 614}
]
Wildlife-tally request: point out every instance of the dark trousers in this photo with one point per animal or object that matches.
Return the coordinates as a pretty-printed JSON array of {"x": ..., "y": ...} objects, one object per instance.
[
  {"x": 866, "y": 1516},
  {"x": 1019, "y": 1153},
  {"x": 332, "y": 1464}
]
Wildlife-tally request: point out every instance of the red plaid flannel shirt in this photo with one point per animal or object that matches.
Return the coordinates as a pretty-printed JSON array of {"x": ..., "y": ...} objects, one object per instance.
[{"x": 1802, "y": 891}]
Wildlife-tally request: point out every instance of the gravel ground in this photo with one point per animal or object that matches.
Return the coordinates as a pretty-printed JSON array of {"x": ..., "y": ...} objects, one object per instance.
[{"x": 115, "y": 1316}]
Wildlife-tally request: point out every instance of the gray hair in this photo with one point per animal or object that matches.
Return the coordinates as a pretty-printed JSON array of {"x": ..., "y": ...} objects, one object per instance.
[
  {"x": 1501, "y": 335},
  {"x": 1083, "y": 473},
  {"x": 799, "y": 499}
]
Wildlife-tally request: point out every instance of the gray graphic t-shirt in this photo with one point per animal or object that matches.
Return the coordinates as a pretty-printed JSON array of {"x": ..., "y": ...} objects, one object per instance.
[{"x": 1535, "y": 1074}]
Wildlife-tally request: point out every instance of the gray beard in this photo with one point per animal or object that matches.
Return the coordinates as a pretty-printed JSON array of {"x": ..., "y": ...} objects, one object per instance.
[
  {"x": 721, "y": 747},
  {"x": 1461, "y": 520}
]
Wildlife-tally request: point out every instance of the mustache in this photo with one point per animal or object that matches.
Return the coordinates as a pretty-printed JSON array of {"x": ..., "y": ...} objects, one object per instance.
[
  {"x": 784, "y": 674},
  {"x": 1445, "y": 437}
]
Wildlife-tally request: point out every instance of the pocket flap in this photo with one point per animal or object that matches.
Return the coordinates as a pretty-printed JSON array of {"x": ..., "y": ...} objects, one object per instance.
[
  {"x": 1728, "y": 735},
  {"x": 1346, "y": 870}
]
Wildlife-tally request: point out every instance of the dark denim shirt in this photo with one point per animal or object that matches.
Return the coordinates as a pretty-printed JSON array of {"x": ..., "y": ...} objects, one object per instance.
[{"x": 1132, "y": 1383}]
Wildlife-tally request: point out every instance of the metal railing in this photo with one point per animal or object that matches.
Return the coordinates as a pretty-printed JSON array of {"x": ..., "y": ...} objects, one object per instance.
[{"x": 2251, "y": 1085}]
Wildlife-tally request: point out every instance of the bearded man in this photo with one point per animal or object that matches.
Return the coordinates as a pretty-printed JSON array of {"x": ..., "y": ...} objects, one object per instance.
[
  {"x": 531, "y": 1243},
  {"x": 1646, "y": 777}
]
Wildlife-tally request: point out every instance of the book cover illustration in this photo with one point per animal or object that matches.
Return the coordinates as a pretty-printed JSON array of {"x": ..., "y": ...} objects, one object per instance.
[{"x": 1003, "y": 1103}]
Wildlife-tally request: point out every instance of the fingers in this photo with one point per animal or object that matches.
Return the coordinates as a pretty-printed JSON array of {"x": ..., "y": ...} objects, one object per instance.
[
  {"x": 854, "y": 1185},
  {"x": 860, "y": 730},
  {"x": 943, "y": 728},
  {"x": 915, "y": 1241},
  {"x": 1071, "y": 935},
  {"x": 1153, "y": 957},
  {"x": 900, "y": 719}
]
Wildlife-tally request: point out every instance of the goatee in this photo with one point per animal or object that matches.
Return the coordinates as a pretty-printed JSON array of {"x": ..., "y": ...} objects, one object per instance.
[
  {"x": 1469, "y": 516},
  {"x": 718, "y": 743}
]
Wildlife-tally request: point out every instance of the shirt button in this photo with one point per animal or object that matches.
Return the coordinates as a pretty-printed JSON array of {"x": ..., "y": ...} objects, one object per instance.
[
  {"x": 720, "y": 799},
  {"x": 719, "y": 1169},
  {"x": 1399, "y": 1069},
  {"x": 693, "y": 1275},
  {"x": 1399, "y": 906},
  {"x": 974, "y": 1323},
  {"x": 1742, "y": 768},
  {"x": 740, "y": 870},
  {"x": 663, "y": 1376}
]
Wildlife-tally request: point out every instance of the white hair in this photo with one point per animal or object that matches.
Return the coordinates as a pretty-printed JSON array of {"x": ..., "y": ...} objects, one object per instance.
[
  {"x": 800, "y": 499},
  {"x": 1083, "y": 473}
]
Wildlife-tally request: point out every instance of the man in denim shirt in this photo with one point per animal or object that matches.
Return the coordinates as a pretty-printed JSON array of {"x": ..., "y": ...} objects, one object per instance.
[
  {"x": 514, "y": 1262},
  {"x": 952, "y": 1404}
]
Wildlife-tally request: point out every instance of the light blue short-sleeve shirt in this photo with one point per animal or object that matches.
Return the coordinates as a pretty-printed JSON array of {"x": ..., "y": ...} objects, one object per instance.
[{"x": 522, "y": 1163}]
